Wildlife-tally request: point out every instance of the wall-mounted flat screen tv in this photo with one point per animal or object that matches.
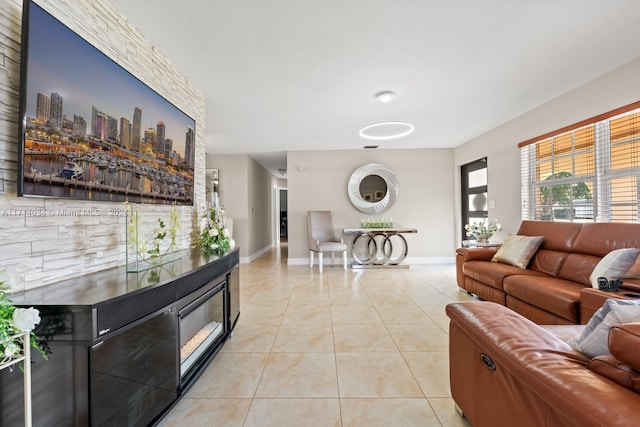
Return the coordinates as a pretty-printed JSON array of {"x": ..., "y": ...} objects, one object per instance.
[{"x": 90, "y": 130}]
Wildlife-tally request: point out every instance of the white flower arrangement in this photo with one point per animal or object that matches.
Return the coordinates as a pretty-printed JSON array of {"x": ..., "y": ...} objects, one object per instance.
[
  {"x": 483, "y": 227},
  {"x": 14, "y": 324},
  {"x": 215, "y": 236}
]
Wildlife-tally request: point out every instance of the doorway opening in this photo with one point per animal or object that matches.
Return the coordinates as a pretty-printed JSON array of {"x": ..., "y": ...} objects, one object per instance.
[
  {"x": 475, "y": 204},
  {"x": 283, "y": 213}
]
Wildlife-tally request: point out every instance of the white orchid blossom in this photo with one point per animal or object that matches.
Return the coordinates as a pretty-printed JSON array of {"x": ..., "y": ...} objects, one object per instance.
[
  {"x": 25, "y": 319},
  {"x": 16, "y": 324},
  {"x": 11, "y": 349}
]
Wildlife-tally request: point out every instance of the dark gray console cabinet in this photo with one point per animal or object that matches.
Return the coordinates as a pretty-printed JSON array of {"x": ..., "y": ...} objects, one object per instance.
[{"x": 116, "y": 342}]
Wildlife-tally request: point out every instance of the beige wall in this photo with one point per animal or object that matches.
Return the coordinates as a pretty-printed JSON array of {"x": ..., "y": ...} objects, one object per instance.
[
  {"x": 429, "y": 179},
  {"x": 246, "y": 190},
  {"x": 317, "y": 180},
  {"x": 261, "y": 207},
  {"x": 233, "y": 175},
  {"x": 615, "y": 89},
  {"x": 46, "y": 249}
]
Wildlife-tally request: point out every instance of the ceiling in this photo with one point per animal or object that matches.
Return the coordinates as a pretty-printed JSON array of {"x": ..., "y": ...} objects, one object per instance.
[{"x": 285, "y": 75}]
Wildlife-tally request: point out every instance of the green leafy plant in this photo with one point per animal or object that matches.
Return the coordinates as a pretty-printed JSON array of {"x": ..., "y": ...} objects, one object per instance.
[
  {"x": 557, "y": 200},
  {"x": 215, "y": 236},
  {"x": 14, "y": 324}
]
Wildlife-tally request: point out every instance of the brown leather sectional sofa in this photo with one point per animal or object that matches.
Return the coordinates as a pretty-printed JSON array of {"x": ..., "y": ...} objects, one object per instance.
[
  {"x": 507, "y": 371},
  {"x": 549, "y": 290}
]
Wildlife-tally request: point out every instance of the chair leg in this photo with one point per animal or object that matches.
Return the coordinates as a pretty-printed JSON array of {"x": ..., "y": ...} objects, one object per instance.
[
  {"x": 333, "y": 258},
  {"x": 320, "y": 261},
  {"x": 310, "y": 259},
  {"x": 344, "y": 259}
]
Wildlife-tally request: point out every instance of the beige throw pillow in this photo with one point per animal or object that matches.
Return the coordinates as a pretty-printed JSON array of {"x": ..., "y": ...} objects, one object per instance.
[
  {"x": 518, "y": 250},
  {"x": 614, "y": 265}
]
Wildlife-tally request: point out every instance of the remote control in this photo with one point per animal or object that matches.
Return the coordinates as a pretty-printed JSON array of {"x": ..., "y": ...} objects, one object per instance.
[
  {"x": 615, "y": 285},
  {"x": 603, "y": 284}
]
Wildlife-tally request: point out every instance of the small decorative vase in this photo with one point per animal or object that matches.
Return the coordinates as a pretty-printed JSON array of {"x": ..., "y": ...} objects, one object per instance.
[{"x": 484, "y": 237}]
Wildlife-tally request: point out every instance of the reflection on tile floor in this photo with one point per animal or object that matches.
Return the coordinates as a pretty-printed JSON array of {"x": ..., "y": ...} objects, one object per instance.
[{"x": 341, "y": 348}]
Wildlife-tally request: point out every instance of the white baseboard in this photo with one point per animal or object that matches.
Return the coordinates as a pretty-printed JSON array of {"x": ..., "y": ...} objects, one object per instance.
[
  {"x": 430, "y": 260},
  {"x": 252, "y": 257},
  {"x": 408, "y": 260}
]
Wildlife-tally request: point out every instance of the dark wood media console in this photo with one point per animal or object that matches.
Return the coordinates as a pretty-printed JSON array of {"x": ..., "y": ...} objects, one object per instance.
[{"x": 124, "y": 347}]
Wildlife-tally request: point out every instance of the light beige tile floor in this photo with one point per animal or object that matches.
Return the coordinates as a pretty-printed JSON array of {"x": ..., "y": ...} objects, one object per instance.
[{"x": 341, "y": 348}]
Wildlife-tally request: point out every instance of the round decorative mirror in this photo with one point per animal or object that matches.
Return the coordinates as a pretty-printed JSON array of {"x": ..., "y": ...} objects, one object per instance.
[{"x": 372, "y": 188}]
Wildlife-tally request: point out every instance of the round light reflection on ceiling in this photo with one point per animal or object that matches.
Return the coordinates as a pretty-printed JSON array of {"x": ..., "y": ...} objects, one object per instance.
[{"x": 386, "y": 130}]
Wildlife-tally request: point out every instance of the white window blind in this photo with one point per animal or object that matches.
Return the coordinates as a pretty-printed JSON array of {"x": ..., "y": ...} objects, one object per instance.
[{"x": 585, "y": 172}]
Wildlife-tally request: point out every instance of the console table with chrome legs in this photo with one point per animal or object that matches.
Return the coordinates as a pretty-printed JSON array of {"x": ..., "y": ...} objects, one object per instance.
[{"x": 379, "y": 247}]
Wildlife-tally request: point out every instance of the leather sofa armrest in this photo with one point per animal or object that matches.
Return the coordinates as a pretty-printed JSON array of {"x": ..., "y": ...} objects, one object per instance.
[
  {"x": 475, "y": 254},
  {"x": 513, "y": 334},
  {"x": 470, "y": 254},
  {"x": 624, "y": 342},
  {"x": 632, "y": 285},
  {"x": 621, "y": 373},
  {"x": 531, "y": 369}
]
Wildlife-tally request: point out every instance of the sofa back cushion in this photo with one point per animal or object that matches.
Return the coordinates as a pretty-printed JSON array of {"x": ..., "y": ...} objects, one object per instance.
[
  {"x": 594, "y": 241},
  {"x": 558, "y": 240},
  {"x": 578, "y": 268},
  {"x": 558, "y": 236},
  {"x": 600, "y": 238},
  {"x": 548, "y": 261}
]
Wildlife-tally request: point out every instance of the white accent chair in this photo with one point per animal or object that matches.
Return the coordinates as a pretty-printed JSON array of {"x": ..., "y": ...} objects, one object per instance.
[{"x": 322, "y": 238}]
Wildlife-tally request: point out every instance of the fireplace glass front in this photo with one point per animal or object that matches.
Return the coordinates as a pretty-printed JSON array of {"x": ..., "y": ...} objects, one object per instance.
[{"x": 201, "y": 326}]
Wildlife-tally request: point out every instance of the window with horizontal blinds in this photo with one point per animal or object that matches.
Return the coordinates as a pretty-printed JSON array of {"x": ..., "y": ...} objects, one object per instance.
[{"x": 587, "y": 173}]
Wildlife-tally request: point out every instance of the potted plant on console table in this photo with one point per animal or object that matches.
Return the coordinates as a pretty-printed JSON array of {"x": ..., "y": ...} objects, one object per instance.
[{"x": 215, "y": 236}]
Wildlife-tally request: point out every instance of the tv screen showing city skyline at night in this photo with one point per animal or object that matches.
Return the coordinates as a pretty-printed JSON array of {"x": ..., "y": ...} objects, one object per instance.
[{"x": 90, "y": 130}]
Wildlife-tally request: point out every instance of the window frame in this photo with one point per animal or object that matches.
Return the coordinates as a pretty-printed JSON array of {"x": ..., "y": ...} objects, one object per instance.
[{"x": 603, "y": 204}]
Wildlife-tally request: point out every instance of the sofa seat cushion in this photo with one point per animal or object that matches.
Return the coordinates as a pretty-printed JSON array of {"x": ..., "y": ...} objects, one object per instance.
[
  {"x": 557, "y": 296},
  {"x": 493, "y": 273}
]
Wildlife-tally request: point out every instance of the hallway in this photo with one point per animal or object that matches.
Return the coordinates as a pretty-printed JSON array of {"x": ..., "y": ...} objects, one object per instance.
[{"x": 341, "y": 348}]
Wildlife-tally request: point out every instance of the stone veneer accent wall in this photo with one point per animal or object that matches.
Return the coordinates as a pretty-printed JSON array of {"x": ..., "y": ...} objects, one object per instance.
[{"x": 44, "y": 240}]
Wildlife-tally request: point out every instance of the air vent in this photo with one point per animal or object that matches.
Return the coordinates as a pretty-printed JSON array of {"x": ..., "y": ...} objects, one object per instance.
[{"x": 371, "y": 146}]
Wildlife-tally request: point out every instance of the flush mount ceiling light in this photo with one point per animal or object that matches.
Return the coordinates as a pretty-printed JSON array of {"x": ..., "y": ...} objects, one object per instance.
[
  {"x": 385, "y": 96},
  {"x": 386, "y": 130}
]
